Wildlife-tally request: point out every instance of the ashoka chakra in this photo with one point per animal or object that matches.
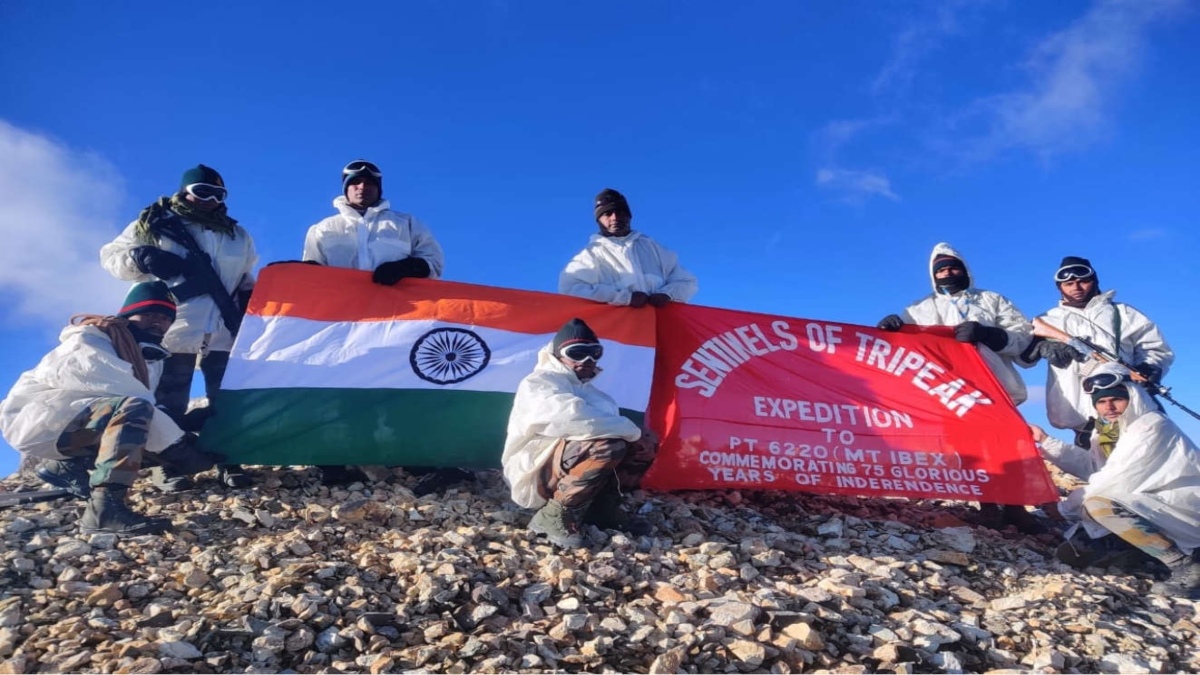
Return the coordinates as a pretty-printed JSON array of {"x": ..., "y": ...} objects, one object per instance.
[{"x": 449, "y": 355}]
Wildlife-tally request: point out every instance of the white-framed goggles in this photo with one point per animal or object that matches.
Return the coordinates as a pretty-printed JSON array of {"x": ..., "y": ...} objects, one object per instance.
[
  {"x": 362, "y": 166},
  {"x": 206, "y": 192},
  {"x": 581, "y": 352},
  {"x": 153, "y": 352},
  {"x": 1102, "y": 381},
  {"x": 1070, "y": 272}
]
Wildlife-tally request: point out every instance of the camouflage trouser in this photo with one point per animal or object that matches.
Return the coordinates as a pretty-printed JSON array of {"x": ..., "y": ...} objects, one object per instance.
[
  {"x": 175, "y": 388},
  {"x": 114, "y": 431},
  {"x": 1134, "y": 529},
  {"x": 580, "y": 470}
]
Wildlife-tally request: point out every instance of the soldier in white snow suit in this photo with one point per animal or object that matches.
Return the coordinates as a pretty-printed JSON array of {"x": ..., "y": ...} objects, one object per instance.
[
  {"x": 569, "y": 451},
  {"x": 212, "y": 285},
  {"x": 623, "y": 267},
  {"x": 1143, "y": 481},
  {"x": 1084, "y": 311},
  {"x": 366, "y": 234},
  {"x": 87, "y": 410},
  {"x": 987, "y": 320}
]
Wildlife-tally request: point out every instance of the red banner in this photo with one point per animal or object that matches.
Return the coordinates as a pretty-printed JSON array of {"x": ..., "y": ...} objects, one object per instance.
[{"x": 770, "y": 402}]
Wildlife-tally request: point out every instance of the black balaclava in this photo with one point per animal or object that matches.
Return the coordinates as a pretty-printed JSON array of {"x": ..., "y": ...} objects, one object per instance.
[{"x": 950, "y": 285}]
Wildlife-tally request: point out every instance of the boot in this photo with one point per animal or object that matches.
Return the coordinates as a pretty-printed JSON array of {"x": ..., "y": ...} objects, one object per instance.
[
  {"x": 341, "y": 475},
  {"x": 439, "y": 479},
  {"x": 606, "y": 513},
  {"x": 559, "y": 524},
  {"x": 1023, "y": 520},
  {"x": 69, "y": 474},
  {"x": 990, "y": 516},
  {"x": 234, "y": 476},
  {"x": 170, "y": 482},
  {"x": 107, "y": 512},
  {"x": 1184, "y": 582}
]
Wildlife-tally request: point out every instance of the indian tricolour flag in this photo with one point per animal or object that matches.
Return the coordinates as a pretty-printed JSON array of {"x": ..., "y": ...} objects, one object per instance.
[{"x": 329, "y": 368}]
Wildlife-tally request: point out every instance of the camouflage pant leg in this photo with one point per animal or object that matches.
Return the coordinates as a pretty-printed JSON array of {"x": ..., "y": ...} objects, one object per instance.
[
  {"x": 114, "y": 430},
  {"x": 1133, "y": 528},
  {"x": 579, "y": 470},
  {"x": 638, "y": 458},
  {"x": 212, "y": 367},
  {"x": 175, "y": 388}
]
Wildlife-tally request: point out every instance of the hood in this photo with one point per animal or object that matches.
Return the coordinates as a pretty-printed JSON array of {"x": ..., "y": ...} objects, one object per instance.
[
  {"x": 942, "y": 248},
  {"x": 1140, "y": 402}
]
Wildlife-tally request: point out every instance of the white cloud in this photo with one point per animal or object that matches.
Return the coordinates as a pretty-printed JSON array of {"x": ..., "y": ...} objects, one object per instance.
[
  {"x": 1148, "y": 234},
  {"x": 856, "y": 184},
  {"x": 57, "y": 207},
  {"x": 1074, "y": 77},
  {"x": 919, "y": 38}
]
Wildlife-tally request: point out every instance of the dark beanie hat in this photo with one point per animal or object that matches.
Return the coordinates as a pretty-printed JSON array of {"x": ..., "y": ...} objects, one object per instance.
[
  {"x": 201, "y": 174},
  {"x": 573, "y": 332},
  {"x": 148, "y": 296},
  {"x": 361, "y": 168},
  {"x": 611, "y": 200},
  {"x": 1115, "y": 391},
  {"x": 1073, "y": 260},
  {"x": 943, "y": 261}
]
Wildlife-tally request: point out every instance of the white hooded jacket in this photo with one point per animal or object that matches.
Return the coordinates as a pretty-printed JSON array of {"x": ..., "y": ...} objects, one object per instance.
[
  {"x": 551, "y": 404},
  {"x": 1154, "y": 471},
  {"x": 989, "y": 309},
  {"x": 365, "y": 241},
  {"x": 83, "y": 368},
  {"x": 198, "y": 325},
  {"x": 610, "y": 269},
  {"x": 1113, "y": 326}
]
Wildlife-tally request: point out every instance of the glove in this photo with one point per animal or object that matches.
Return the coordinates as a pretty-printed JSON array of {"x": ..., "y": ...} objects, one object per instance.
[
  {"x": 976, "y": 333},
  {"x": 1149, "y": 371},
  {"x": 184, "y": 457},
  {"x": 660, "y": 299},
  {"x": 638, "y": 299},
  {"x": 891, "y": 322},
  {"x": 194, "y": 419},
  {"x": 288, "y": 262},
  {"x": 160, "y": 263},
  {"x": 1060, "y": 355},
  {"x": 389, "y": 273}
]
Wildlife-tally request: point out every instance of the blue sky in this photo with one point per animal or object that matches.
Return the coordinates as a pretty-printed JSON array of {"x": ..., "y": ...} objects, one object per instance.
[{"x": 802, "y": 158}]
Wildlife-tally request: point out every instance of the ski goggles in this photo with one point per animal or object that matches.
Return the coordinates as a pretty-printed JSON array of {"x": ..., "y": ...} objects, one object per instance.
[
  {"x": 1073, "y": 272},
  {"x": 361, "y": 166},
  {"x": 152, "y": 352},
  {"x": 1102, "y": 381},
  {"x": 581, "y": 352},
  {"x": 206, "y": 193}
]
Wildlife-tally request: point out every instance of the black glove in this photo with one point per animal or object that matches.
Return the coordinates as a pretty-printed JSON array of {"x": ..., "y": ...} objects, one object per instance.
[
  {"x": 1149, "y": 371},
  {"x": 389, "y": 273},
  {"x": 194, "y": 419},
  {"x": 288, "y": 262},
  {"x": 977, "y": 333},
  {"x": 660, "y": 299},
  {"x": 638, "y": 299},
  {"x": 891, "y": 322},
  {"x": 1059, "y": 354},
  {"x": 160, "y": 263},
  {"x": 184, "y": 457}
]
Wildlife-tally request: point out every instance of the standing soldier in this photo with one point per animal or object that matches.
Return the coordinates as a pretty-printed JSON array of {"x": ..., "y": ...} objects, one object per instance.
[{"x": 189, "y": 241}]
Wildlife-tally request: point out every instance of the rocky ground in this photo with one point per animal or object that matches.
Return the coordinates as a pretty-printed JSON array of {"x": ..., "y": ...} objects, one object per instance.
[{"x": 291, "y": 576}]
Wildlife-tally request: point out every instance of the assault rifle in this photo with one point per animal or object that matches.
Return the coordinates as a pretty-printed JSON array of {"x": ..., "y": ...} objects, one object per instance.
[
  {"x": 1091, "y": 350},
  {"x": 8, "y": 499},
  {"x": 200, "y": 278}
]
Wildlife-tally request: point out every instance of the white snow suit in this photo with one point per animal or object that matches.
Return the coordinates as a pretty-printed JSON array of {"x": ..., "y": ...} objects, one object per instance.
[
  {"x": 84, "y": 367},
  {"x": 610, "y": 269},
  {"x": 551, "y": 404},
  {"x": 1113, "y": 326},
  {"x": 989, "y": 309},
  {"x": 365, "y": 241}
]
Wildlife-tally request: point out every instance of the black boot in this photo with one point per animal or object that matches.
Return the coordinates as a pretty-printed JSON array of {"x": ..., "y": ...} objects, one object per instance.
[
  {"x": 169, "y": 481},
  {"x": 69, "y": 474},
  {"x": 107, "y": 512},
  {"x": 1184, "y": 583},
  {"x": 234, "y": 476},
  {"x": 439, "y": 479},
  {"x": 1025, "y": 522},
  {"x": 336, "y": 474},
  {"x": 606, "y": 513}
]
